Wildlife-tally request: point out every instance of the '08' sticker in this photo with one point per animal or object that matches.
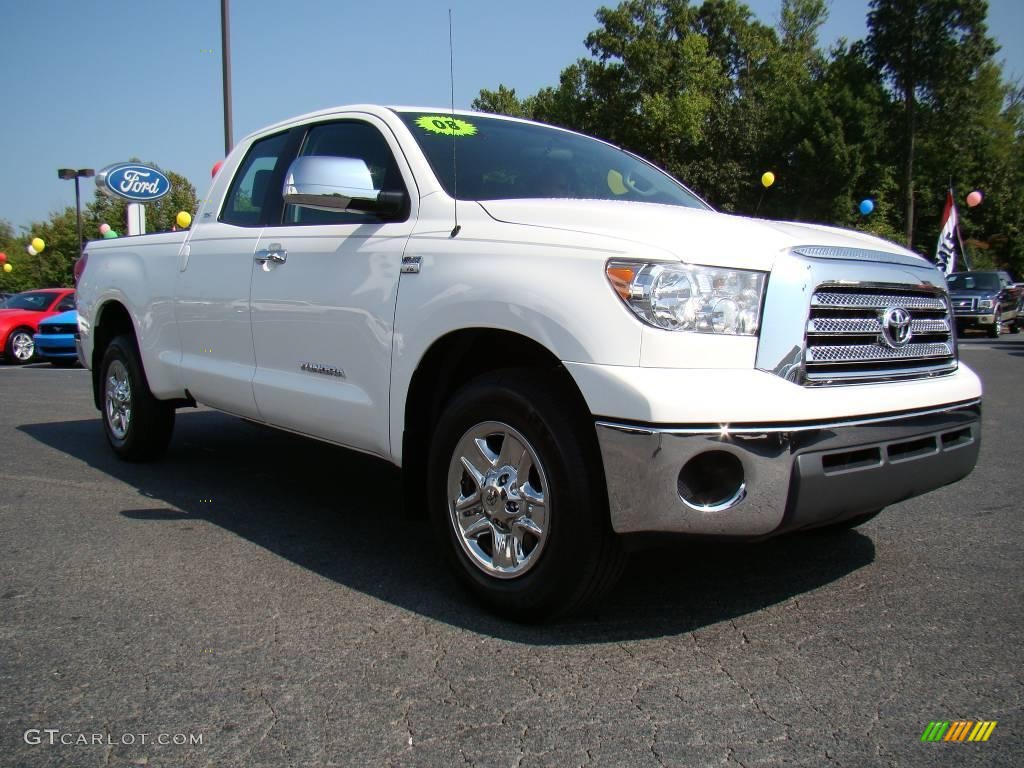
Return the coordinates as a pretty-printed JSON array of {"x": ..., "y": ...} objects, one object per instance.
[{"x": 447, "y": 126}]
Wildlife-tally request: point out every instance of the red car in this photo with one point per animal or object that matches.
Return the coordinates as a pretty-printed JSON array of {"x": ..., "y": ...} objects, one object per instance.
[{"x": 20, "y": 316}]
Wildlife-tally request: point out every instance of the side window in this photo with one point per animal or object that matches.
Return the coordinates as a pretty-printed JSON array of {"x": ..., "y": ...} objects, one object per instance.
[
  {"x": 248, "y": 193},
  {"x": 349, "y": 139},
  {"x": 68, "y": 302}
]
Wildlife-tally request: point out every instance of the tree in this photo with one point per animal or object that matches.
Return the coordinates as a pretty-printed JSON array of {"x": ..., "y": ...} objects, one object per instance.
[
  {"x": 925, "y": 47},
  {"x": 501, "y": 102},
  {"x": 53, "y": 266},
  {"x": 717, "y": 98}
]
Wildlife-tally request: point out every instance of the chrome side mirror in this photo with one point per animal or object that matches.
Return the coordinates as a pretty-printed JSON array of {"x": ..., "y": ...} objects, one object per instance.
[{"x": 328, "y": 183}]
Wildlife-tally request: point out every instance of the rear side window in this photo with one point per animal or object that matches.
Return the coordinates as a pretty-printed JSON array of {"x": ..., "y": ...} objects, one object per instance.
[{"x": 251, "y": 185}]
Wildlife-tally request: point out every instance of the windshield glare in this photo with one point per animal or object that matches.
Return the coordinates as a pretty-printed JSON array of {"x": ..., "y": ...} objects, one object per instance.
[
  {"x": 34, "y": 301},
  {"x": 502, "y": 159},
  {"x": 977, "y": 281}
]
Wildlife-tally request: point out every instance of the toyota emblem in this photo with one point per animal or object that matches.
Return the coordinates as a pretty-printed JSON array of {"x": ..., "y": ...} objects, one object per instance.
[{"x": 896, "y": 327}]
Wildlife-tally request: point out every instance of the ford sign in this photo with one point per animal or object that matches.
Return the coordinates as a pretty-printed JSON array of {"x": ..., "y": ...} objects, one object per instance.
[{"x": 133, "y": 181}]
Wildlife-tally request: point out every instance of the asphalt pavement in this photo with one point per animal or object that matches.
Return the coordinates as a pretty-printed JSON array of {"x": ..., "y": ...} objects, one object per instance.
[{"x": 257, "y": 599}]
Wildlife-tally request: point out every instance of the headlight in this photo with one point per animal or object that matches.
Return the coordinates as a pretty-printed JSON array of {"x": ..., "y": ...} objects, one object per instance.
[
  {"x": 985, "y": 304},
  {"x": 683, "y": 297}
]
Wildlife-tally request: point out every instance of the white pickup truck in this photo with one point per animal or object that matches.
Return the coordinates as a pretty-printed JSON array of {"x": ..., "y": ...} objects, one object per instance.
[{"x": 564, "y": 348}]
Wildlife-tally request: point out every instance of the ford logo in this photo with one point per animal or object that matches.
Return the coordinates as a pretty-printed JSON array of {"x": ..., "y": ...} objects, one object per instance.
[{"x": 133, "y": 181}]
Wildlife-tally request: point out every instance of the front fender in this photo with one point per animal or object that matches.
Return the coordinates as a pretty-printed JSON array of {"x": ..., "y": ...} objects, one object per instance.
[{"x": 557, "y": 296}]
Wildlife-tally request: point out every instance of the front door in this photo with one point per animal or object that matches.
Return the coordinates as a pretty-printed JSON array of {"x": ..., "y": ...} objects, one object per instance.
[{"x": 323, "y": 301}]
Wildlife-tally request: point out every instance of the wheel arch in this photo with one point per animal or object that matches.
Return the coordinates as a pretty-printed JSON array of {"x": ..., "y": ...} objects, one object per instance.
[
  {"x": 454, "y": 359},
  {"x": 112, "y": 320}
]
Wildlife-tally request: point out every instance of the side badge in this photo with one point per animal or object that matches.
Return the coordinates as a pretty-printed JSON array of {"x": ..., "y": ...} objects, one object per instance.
[{"x": 326, "y": 370}]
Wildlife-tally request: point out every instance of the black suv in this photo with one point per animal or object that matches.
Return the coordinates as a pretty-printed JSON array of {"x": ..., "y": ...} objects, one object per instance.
[{"x": 986, "y": 300}]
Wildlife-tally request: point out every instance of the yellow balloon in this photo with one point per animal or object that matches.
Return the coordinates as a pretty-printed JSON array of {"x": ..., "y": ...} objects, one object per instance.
[
  {"x": 8, "y": 267},
  {"x": 767, "y": 178},
  {"x": 38, "y": 244},
  {"x": 184, "y": 219}
]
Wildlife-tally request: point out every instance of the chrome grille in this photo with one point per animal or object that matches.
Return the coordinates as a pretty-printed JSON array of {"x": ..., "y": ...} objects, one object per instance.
[
  {"x": 846, "y": 354},
  {"x": 862, "y": 325},
  {"x": 846, "y": 342},
  {"x": 965, "y": 305},
  {"x": 836, "y": 300}
]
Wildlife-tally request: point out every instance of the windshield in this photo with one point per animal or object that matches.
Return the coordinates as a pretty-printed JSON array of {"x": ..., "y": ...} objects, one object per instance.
[
  {"x": 35, "y": 301},
  {"x": 985, "y": 281},
  {"x": 501, "y": 159}
]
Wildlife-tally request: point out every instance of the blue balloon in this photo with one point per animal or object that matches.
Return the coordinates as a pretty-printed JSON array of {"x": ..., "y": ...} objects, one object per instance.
[{"x": 866, "y": 207}]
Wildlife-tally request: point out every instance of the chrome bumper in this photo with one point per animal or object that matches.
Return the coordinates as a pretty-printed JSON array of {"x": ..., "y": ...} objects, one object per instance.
[{"x": 794, "y": 476}]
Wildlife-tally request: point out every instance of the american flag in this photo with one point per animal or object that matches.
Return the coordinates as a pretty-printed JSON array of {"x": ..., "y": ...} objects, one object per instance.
[{"x": 945, "y": 249}]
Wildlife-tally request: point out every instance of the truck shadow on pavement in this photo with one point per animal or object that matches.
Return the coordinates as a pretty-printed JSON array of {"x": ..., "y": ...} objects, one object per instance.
[{"x": 338, "y": 513}]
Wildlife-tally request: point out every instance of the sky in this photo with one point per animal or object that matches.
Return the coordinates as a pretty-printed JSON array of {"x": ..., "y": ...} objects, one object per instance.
[{"x": 88, "y": 84}]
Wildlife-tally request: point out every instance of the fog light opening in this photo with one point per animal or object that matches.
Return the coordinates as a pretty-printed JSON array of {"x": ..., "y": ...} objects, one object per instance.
[{"x": 712, "y": 482}]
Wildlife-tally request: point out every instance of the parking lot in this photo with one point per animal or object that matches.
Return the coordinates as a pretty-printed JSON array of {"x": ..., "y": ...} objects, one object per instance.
[{"x": 258, "y": 599}]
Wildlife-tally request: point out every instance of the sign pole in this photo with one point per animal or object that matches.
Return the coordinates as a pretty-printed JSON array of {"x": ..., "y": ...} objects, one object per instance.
[{"x": 136, "y": 219}]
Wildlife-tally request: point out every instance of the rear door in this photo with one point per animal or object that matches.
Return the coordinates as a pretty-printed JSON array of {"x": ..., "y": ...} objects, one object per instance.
[
  {"x": 212, "y": 294},
  {"x": 323, "y": 308}
]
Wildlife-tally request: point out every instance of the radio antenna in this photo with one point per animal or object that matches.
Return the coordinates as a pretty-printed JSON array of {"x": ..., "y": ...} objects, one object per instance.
[{"x": 451, "y": 77}]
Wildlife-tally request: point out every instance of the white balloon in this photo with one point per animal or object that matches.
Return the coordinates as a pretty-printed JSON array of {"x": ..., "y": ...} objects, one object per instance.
[{"x": 32, "y": 251}]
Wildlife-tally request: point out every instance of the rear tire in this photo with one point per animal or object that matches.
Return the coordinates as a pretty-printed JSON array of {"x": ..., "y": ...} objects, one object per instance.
[
  {"x": 518, "y": 499},
  {"x": 20, "y": 347},
  {"x": 137, "y": 425}
]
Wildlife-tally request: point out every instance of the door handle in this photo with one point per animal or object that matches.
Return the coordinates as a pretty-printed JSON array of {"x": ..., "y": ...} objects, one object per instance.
[{"x": 274, "y": 253}]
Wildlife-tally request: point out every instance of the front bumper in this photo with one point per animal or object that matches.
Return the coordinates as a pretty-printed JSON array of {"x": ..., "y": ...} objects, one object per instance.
[
  {"x": 794, "y": 476},
  {"x": 60, "y": 346},
  {"x": 974, "y": 320}
]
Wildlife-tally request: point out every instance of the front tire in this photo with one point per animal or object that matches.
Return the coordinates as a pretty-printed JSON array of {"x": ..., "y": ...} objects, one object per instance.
[
  {"x": 518, "y": 498},
  {"x": 20, "y": 347},
  {"x": 137, "y": 425},
  {"x": 996, "y": 329}
]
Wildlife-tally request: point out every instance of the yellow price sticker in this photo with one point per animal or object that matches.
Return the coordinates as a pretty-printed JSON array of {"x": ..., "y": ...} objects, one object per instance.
[{"x": 447, "y": 126}]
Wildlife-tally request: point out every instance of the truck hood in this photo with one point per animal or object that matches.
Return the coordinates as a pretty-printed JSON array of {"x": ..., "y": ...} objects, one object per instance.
[{"x": 692, "y": 235}]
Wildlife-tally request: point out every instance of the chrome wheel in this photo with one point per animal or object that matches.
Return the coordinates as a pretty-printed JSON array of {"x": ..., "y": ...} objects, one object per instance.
[
  {"x": 118, "y": 399},
  {"x": 22, "y": 346},
  {"x": 498, "y": 500}
]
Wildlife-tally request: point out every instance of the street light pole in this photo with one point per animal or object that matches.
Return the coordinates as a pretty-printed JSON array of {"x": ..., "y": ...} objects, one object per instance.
[
  {"x": 81, "y": 173},
  {"x": 225, "y": 53},
  {"x": 78, "y": 214}
]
